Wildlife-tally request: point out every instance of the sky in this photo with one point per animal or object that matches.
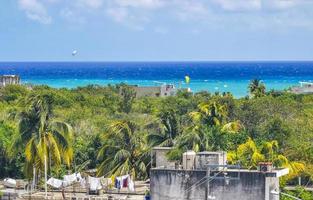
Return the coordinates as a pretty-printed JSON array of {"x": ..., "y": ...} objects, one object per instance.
[{"x": 156, "y": 30}]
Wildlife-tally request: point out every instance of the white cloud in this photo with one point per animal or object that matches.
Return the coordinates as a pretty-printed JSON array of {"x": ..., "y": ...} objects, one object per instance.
[
  {"x": 72, "y": 16},
  {"x": 141, "y": 14},
  {"x": 118, "y": 14},
  {"x": 282, "y": 4},
  {"x": 133, "y": 13},
  {"x": 150, "y": 4},
  {"x": 35, "y": 10},
  {"x": 239, "y": 5},
  {"x": 257, "y": 5},
  {"x": 189, "y": 9},
  {"x": 93, "y": 4}
]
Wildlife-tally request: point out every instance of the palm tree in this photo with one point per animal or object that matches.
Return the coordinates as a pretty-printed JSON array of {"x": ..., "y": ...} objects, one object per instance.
[
  {"x": 249, "y": 155},
  {"x": 233, "y": 127},
  {"x": 170, "y": 129},
  {"x": 124, "y": 151},
  {"x": 210, "y": 114},
  {"x": 42, "y": 136},
  {"x": 201, "y": 139},
  {"x": 208, "y": 130},
  {"x": 256, "y": 88}
]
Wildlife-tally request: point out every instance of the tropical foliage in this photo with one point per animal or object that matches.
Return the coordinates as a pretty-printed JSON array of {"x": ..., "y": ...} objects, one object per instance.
[
  {"x": 43, "y": 138},
  {"x": 249, "y": 155},
  {"x": 111, "y": 130},
  {"x": 256, "y": 88},
  {"x": 124, "y": 151}
]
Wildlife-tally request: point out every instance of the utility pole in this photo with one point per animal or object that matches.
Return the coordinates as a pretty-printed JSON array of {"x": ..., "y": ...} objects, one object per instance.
[
  {"x": 208, "y": 185},
  {"x": 208, "y": 174},
  {"x": 46, "y": 192},
  {"x": 32, "y": 188}
]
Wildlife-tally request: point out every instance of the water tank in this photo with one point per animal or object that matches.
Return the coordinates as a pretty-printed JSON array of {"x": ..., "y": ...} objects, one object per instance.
[
  {"x": 203, "y": 159},
  {"x": 189, "y": 160}
]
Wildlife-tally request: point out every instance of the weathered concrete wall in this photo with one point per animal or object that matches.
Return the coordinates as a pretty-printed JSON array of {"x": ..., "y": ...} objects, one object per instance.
[
  {"x": 250, "y": 185},
  {"x": 173, "y": 185},
  {"x": 271, "y": 184},
  {"x": 159, "y": 158},
  {"x": 147, "y": 91}
]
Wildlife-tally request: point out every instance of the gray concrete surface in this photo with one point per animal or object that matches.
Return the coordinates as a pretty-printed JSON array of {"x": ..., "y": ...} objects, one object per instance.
[{"x": 169, "y": 184}]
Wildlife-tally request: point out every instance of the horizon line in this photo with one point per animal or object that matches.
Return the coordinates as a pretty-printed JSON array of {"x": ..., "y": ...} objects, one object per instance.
[{"x": 149, "y": 61}]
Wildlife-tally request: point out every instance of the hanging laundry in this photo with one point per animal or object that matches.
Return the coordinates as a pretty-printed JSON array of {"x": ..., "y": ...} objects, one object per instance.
[
  {"x": 55, "y": 183},
  {"x": 125, "y": 182},
  {"x": 70, "y": 178},
  {"x": 118, "y": 182},
  {"x": 73, "y": 178},
  {"x": 94, "y": 183},
  {"x": 131, "y": 185},
  {"x": 106, "y": 182},
  {"x": 9, "y": 182}
]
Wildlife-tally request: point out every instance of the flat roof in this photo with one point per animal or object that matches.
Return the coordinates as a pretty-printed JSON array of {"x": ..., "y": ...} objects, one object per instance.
[
  {"x": 272, "y": 173},
  {"x": 9, "y": 75},
  {"x": 211, "y": 152}
]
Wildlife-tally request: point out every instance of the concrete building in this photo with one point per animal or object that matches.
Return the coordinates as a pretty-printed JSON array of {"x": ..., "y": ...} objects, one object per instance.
[
  {"x": 304, "y": 88},
  {"x": 159, "y": 159},
  {"x": 213, "y": 180},
  {"x": 9, "y": 80},
  {"x": 155, "y": 91}
]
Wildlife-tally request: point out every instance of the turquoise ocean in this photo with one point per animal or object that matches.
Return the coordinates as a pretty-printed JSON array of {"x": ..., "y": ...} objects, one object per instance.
[{"x": 231, "y": 77}]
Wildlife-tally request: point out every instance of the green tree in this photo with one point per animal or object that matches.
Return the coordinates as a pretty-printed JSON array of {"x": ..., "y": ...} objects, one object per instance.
[
  {"x": 249, "y": 155},
  {"x": 11, "y": 161},
  {"x": 42, "y": 136},
  {"x": 209, "y": 129},
  {"x": 124, "y": 151},
  {"x": 170, "y": 129},
  {"x": 256, "y": 88},
  {"x": 209, "y": 114},
  {"x": 127, "y": 98},
  {"x": 11, "y": 93}
]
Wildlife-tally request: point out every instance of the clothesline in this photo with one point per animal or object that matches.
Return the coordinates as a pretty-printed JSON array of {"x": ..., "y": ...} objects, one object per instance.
[
  {"x": 124, "y": 182},
  {"x": 93, "y": 183},
  {"x": 67, "y": 180}
]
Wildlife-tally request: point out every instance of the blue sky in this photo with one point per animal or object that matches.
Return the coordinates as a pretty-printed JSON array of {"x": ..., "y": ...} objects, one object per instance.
[{"x": 156, "y": 30}]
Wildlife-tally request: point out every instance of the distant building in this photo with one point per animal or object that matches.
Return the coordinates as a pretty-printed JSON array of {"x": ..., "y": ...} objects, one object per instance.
[
  {"x": 206, "y": 175},
  {"x": 9, "y": 80},
  {"x": 304, "y": 88},
  {"x": 155, "y": 91}
]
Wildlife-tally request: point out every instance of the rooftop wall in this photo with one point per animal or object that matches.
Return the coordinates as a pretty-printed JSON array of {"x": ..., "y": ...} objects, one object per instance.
[{"x": 173, "y": 185}]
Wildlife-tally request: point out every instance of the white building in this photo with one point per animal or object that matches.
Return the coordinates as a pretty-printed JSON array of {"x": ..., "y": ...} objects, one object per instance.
[
  {"x": 304, "y": 88},
  {"x": 9, "y": 80},
  {"x": 155, "y": 91}
]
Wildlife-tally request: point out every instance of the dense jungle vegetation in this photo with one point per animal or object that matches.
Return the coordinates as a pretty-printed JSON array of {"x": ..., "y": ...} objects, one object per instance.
[{"x": 109, "y": 129}]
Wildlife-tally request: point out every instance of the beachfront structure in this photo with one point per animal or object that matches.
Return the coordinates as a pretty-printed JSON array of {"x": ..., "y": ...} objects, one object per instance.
[
  {"x": 9, "y": 80},
  {"x": 155, "y": 91},
  {"x": 304, "y": 88},
  {"x": 213, "y": 179}
]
